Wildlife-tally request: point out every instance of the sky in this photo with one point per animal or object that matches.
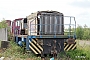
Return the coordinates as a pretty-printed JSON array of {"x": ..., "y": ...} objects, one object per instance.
[{"x": 12, "y": 9}]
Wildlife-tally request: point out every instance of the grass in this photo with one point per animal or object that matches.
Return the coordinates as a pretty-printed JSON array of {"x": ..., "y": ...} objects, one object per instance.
[
  {"x": 86, "y": 50},
  {"x": 15, "y": 52},
  {"x": 81, "y": 53}
]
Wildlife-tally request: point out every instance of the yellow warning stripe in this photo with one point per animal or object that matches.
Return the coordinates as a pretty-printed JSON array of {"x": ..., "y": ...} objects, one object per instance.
[
  {"x": 66, "y": 47},
  {"x": 33, "y": 50},
  {"x": 75, "y": 40},
  {"x": 37, "y": 45},
  {"x": 36, "y": 39},
  {"x": 65, "y": 44},
  {"x": 70, "y": 47},
  {"x": 74, "y": 47}
]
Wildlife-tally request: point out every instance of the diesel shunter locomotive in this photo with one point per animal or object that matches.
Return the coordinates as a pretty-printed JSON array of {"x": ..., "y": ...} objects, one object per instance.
[{"x": 43, "y": 33}]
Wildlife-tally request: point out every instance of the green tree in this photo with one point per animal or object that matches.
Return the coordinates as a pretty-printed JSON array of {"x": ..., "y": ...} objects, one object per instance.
[
  {"x": 3, "y": 24},
  {"x": 86, "y": 34},
  {"x": 79, "y": 32}
]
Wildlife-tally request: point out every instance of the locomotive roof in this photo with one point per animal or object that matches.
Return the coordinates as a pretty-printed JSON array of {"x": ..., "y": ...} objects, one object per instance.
[
  {"x": 33, "y": 15},
  {"x": 48, "y": 11},
  {"x": 18, "y": 19}
]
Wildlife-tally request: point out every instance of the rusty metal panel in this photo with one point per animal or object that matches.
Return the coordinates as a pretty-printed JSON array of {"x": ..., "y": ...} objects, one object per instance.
[
  {"x": 51, "y": 46},
  {"x": 4, "y": 44}
]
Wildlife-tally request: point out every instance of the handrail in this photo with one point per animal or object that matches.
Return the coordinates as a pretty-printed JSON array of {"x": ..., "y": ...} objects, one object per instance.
[{"x": 70, "y": 24}]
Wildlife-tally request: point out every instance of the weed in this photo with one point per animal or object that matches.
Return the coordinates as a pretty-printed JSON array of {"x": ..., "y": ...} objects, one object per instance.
[
  {"x": 81, "y": 53},
  {"x": 15, "y": 52}
]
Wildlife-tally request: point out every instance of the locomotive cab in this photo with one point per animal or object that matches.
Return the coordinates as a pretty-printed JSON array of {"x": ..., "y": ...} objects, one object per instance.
[{"x": 24, "y": 27}]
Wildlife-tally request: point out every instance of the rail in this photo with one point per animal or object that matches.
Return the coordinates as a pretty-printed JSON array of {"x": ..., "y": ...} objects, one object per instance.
[{"x": 69, "y": 31}]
